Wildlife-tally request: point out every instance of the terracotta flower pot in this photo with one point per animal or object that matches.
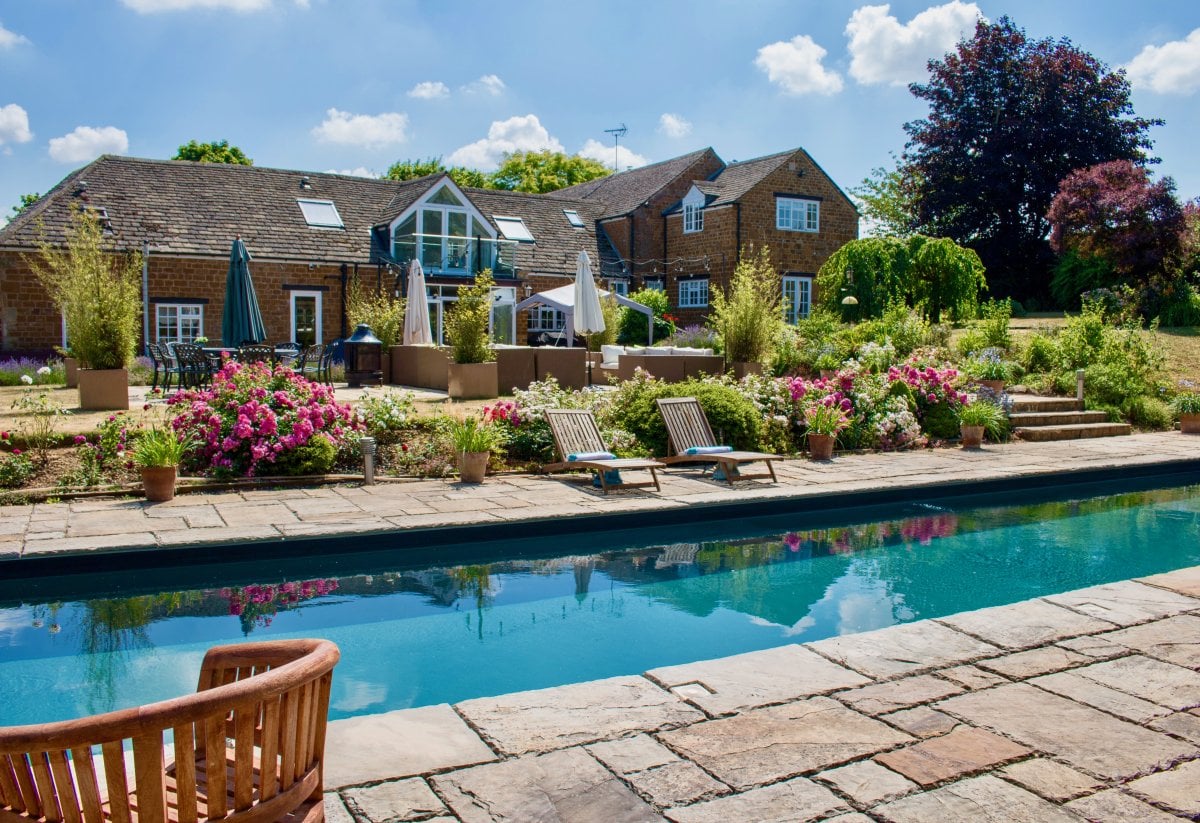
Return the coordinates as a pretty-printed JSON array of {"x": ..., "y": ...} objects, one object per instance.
[
  {"x": 1189, "y": 423},
  {"x": 972, "y": 437},
  {"x": 472, "y": 466},
  {"x": 820, "y": 446},
  {"x": 995, "y": 385},
  {"x": 159, "y": 483}
]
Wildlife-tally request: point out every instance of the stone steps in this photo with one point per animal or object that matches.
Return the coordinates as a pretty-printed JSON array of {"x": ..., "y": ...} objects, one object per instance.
[
  {"x": 1075, "y": 431},
  {"x": 1059, "y": 418},
  {"x": 1055, "y": 418}
]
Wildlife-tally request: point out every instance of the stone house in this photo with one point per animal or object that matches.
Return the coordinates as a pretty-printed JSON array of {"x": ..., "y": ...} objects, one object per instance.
[{"x": 678, "y": 225}]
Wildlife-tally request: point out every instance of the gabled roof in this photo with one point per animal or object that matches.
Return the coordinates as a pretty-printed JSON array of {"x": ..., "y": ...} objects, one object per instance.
[
  {"x": 186, "y": 208},
  {"x": 738, "y": 178},
  {"x": 623, "y": 192},
  {"x": 556, "y": 243}
]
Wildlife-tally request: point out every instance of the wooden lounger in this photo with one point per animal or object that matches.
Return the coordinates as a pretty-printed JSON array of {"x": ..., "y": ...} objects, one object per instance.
[
  {"x": 575, "y": 432},
  {"x": 687, "y": 428}
]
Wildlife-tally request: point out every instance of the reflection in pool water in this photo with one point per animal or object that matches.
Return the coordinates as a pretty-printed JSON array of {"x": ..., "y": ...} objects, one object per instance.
[{"x": 437, "y": 634}]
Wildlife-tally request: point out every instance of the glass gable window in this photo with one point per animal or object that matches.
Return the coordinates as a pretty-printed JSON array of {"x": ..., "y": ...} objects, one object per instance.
[
  {"x": 178, "y": 323},
  {"x": 797, "y": 298},
  {"x": 693, "y": 218},
  {"x": 321, "y": 214},
  {"x": 693, "y": 294},
  {"x": 573, "y": 218},
  {"x": 513, "y": 228},
  {"x": 797, "y": 214}
]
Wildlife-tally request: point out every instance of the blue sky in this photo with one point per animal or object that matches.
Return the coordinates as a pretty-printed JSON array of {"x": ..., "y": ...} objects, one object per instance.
[{"x": 354, "y": 85}]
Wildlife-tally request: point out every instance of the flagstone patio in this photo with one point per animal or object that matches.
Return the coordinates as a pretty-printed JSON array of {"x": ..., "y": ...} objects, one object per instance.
[{"x": 1080, "y": 706}]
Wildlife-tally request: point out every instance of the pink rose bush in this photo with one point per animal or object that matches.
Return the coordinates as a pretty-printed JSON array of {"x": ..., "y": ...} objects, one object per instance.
[{"x": 253, "y": 421}]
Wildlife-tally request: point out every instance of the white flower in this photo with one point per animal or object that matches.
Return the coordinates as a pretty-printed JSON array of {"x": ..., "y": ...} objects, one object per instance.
[
  {"x": 44, "y": 370},
  {"x": 27, "y": 380}
]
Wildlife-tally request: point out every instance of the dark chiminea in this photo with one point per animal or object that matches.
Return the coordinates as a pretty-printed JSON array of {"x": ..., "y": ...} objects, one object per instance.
[{"x": 364, "y": 358}]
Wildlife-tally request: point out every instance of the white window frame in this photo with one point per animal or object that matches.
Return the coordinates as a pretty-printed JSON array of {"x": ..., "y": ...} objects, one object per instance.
[
  {"x": 693, "y": 294},
  {"x": 797, "y": 214},
  {"x": 545, "y": 318},
  {"x": 574, "y": 219},
  {"x": 520, "y": 232},
  {"x": 195, "y": 312},
  {"x": 620, "y": 287},
  {"x": 654, "y": 284},
  {"x": 794, "y": 312},
  {"x": 693, "y": 218},
  {"x": 423, "y": 204},
  {"x": 314, "y": 223},
  {"x": 318, "y": 332},
  {"x": 504, "y": 301}
]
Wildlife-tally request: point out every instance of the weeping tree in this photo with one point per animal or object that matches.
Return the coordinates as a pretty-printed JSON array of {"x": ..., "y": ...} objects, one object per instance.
[{"x": 932, "y": 275}]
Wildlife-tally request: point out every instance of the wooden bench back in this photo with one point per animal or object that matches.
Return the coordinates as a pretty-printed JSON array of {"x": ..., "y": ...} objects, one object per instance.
[
  {"x": 687, "y": 425},
  {"x": 575, "y": 432},
  {"x": 248, "y": 746}
]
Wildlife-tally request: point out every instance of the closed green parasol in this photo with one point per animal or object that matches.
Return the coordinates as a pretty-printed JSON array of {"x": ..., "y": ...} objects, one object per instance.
[{"x": 242, "y": 320}]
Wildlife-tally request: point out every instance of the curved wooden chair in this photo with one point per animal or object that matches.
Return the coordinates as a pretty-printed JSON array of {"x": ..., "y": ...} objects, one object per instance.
[{"x": 248, "y": 746}]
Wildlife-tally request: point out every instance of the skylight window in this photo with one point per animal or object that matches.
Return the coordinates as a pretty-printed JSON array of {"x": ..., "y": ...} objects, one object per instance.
[
  {"x": 321, "y": 214},
  {"x": 573, "y": 218},
  {"x": 513, "y": 228}
]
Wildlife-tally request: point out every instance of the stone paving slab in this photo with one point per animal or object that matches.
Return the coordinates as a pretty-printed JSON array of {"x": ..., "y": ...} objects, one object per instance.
[
  {"x": 984, "y": 799},
  {"x": 1024, "y": 625},
  {"x": 798, "y": 799},
  {"x": 548, "y": 719},
  {"x": 903, "y": 649},
  {"x": 1174, "y": 640},
  {"x": 962, "y": 751},
  {"x": 1126, "y": 603}
]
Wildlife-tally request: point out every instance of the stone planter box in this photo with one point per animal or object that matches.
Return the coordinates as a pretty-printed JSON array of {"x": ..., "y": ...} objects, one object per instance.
[
  {"x": 71, "y": 368},
  {"x": 568, "y": 366},
  {"x": 473, "y": 381},
  {"x": 103, "y": 389},
  {"x": 516, "y": 368},
  {"x": 1189, "y": 423},
  {"x": 422, "y": 367},
  {"x": 740, "y": 369}
]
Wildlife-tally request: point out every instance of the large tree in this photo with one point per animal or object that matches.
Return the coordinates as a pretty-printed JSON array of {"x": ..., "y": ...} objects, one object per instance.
[
  {"x": 219, "y": 152},
  {"x": 410, "y": 169},
  {"x": 1009, "y": 118},
  {"x": 543, "y": 171}
]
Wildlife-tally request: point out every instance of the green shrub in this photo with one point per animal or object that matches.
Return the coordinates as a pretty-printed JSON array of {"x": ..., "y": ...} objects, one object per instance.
[
  {"x": 972, "y": 340},
  {"x": 987, "y": 414},
  {"x": 468, "y": 320},
  {"x": 611, "y": 310},
  {"x": 1182, "y": 308},
  {"x": 317, "y": 456},
  {"x": 379, "y": 310},
  {"x": 1149, "y": 413},
  {"x": 749, "y": 313},
  {"x": 1074, "y": 275},
  {"x": 940, "y": 421},
  {"x": 15, "y": 470},
  {"x": 787, "y": 356},
  {"x": 633, "y": 326},
  {"x": 734, "y": 418},
  {"x": 996, "y": 316},
  {"x": 1186, "y": 403},
  {"x": 1040, "y": 354}
]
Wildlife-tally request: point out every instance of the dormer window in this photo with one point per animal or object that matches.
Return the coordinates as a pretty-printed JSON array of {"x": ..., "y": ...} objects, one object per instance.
[
  {"x": 320, "y": 214},
  {"x": 513, "y": 228},
  {"x": 693, "y": 211}
]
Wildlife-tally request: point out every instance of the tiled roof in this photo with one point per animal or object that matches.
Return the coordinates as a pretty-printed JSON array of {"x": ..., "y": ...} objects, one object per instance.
[
  {"x": 623, "y": 192},
  {"x": 738, "y": 178},
  {"x": 557, "y": 243},
  {"x": 186, "y": 208}
]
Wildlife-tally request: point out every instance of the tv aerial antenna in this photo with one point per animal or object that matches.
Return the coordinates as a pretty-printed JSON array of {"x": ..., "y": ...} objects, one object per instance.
[{"x": 617, "y": 134}]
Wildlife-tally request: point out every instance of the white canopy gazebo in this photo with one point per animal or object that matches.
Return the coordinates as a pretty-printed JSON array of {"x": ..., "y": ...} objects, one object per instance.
[{"x": 563, "y": 299}]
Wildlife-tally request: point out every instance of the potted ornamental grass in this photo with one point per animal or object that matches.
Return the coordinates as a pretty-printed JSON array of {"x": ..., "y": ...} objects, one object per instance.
[
  {"x": 473, "y": 441},
  {"x": 1187, "y": 408},
  {"x": 473, "y": 372},
  {"x": 980, "y": 417},
  {"x": 98, "y": 290},
  {"x": 749, "y": 313},
  {"x": 824, "y": 424},
  {"x": 158, "y": 454},
  {"x": 989, "y": 370}
]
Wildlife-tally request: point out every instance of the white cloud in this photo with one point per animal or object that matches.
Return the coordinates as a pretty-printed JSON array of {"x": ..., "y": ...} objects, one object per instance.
[
  {"x": 87, "y": 143},
  {"x": 672, "y": 125},
  {"x": 369, "y": 130},
  {"x": 514, "y": 134},
  {"x": 1172, "y": 68},
  {"x": 884, "y": 50},
  {"x": 429, "y": 90},
  {"x": 155, "y": 6},
  {"x": 8, "y": 39},
  {"x": 14, "y": 125},
  {"x": 361, "y": 171},
  {"x": 626, "y": 159},
  {"x": 796, "y": 67},
  {"x": 488, "y": 84}
]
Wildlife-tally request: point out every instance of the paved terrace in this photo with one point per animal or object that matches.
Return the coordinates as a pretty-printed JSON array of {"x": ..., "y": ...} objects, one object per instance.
[{"x": 93, "y": 525}]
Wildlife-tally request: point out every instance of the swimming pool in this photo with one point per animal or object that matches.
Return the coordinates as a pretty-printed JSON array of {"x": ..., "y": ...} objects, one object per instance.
[{"x": 415, "y": 635}]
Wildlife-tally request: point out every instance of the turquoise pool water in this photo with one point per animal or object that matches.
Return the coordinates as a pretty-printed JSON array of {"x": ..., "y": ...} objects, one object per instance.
[{"x": 417, "y": 636}]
